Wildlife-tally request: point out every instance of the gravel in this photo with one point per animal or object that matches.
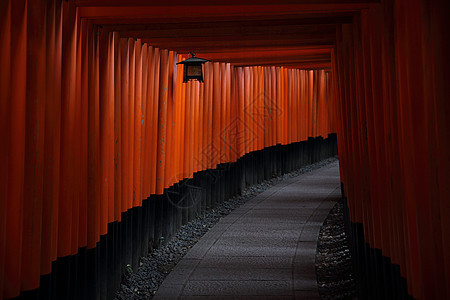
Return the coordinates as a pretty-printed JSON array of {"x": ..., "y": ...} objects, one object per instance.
[
  {"x": 333, "y": 259},
  {"x": 144, "y": 282}
]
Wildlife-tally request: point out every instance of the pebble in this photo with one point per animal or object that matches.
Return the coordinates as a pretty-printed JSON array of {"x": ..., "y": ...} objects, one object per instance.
[
  {"x": 333, "y": 258},
  {"x": 153, "y": 269}
]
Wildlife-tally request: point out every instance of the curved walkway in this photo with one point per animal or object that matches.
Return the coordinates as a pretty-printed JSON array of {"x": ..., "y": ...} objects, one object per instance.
[{"x": 264, "y": 249}]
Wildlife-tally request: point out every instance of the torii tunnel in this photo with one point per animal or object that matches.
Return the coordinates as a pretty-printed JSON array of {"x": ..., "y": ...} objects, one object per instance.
[{"x": 96, "y": 127}]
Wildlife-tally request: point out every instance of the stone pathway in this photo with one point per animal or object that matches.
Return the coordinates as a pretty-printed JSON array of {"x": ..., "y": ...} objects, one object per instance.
[{"x": 264, "y": 249}]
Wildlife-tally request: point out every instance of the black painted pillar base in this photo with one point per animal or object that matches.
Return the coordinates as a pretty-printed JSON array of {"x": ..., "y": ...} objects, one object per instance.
[
  {"x": 97, "y": 273},
  {"x": 376, "y": 276}
]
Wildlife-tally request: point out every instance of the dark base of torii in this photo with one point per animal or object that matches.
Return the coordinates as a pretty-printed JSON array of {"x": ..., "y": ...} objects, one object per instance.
[
  {"x": 376, "y": 276},
  {"x": 96, "y": 273}
]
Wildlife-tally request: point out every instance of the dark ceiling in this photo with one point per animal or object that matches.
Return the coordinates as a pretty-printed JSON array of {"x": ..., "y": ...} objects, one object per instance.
[{"x": 291, "y": 33}]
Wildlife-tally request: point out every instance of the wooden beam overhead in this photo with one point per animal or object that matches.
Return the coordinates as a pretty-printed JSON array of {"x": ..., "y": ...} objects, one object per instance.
[
  {"x": 223, "y": 27},
  {"x": 122, "y": 3}
]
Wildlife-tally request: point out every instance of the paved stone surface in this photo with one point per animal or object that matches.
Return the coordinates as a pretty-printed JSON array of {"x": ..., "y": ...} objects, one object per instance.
[{"x": 262, "y": 250}]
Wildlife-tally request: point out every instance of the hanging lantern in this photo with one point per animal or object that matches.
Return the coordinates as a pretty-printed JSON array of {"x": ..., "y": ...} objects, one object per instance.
[{"x": 193, "y": 68}]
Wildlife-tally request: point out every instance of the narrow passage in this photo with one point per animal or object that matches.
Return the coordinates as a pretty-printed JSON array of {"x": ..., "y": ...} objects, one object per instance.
[{"x": 263, "y": 249}]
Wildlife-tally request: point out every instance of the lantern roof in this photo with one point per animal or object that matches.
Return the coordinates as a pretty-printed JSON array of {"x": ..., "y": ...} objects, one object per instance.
[{"x": 193, "y": 60}]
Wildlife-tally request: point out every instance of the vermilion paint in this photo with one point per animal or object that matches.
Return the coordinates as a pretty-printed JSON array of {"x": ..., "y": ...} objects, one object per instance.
[{"x": 93, "y": 121}]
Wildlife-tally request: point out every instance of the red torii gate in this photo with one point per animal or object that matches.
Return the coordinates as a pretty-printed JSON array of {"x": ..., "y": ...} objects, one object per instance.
[{"x": 62, "y": 90}]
